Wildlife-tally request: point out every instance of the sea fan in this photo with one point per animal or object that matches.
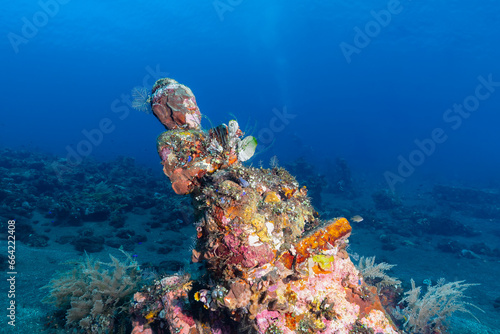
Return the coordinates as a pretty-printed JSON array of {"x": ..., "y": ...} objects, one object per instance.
[{"x": 141, "y": 99}]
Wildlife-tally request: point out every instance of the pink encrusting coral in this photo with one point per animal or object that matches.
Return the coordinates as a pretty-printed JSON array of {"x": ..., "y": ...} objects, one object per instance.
[
  {"x": 271, "y": 265},
  {"x": 377, "y": 320}
]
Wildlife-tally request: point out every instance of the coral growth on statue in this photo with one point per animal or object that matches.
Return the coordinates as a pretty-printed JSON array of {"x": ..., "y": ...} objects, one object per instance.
[{"x": 271, "y": 266}]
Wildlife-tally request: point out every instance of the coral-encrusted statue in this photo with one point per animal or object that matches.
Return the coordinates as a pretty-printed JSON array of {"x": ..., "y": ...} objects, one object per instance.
[{"x": 272, "y": 266}]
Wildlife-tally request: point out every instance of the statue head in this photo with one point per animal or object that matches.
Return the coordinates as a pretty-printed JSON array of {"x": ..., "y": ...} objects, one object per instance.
[{"x": 175, "y": 105}]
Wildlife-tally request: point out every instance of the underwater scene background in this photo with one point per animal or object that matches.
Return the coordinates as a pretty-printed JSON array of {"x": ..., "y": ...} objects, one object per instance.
[{"x": 387, "y": 111}]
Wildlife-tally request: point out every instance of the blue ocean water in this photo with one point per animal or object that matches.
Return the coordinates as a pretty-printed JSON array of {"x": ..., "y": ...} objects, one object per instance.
[
  {"x": 407, "y": 92},
  {"x": 366, "y": 97}
]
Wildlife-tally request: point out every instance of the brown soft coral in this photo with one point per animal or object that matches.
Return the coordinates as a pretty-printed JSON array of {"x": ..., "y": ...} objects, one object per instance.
[{"x": 92, "y": 295}]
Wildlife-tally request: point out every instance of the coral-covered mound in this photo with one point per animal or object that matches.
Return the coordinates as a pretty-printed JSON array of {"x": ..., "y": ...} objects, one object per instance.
[{"x": 271, "y": 265}]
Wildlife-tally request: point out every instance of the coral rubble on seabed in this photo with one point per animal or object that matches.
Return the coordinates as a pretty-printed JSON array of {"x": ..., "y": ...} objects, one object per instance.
[
  {"x": 65, "y": 209},
  {"x": 271, "y": 265}
]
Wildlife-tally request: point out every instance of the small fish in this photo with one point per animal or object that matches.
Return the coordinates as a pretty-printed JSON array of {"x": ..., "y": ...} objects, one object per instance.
[
  {"x": 220, "y": 133},
  {"x": 244, "y": 183},
  {"x": 357, "y": 219}
]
